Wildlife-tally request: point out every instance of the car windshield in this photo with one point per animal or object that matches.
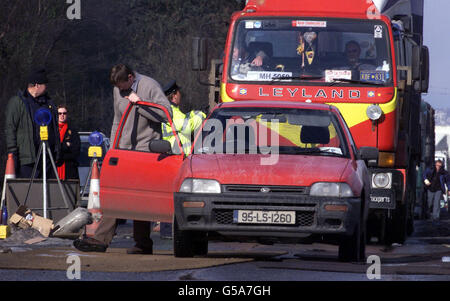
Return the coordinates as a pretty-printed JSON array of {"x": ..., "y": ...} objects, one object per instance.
[
  {"x": 275, "y": 130},
  {"x": 311, "y": 49}
]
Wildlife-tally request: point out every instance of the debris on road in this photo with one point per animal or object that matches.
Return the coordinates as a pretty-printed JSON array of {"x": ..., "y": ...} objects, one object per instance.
[
  {"x": 5, "y": 250},
  {"x": 73, "y": 222},
  {"x": 25, "y": 218},
  {"x": 35, "y": 240}
]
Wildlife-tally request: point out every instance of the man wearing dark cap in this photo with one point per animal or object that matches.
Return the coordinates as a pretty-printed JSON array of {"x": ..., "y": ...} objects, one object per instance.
[
  {"x": 185, "y": 124},
  {"x": 22, "y": 132}
]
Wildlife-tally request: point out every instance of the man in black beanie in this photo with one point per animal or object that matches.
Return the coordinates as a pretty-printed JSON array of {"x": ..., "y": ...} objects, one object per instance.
[{"x": 22, "y": 132}]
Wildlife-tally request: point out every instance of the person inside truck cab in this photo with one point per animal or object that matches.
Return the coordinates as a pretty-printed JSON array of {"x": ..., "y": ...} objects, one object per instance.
[
  {"x": 353, "y": 56},
  {"x": 244, "y": 60}
]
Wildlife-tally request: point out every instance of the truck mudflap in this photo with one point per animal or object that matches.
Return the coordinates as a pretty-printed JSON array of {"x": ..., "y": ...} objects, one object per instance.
[{"x": 386, "y": 198}]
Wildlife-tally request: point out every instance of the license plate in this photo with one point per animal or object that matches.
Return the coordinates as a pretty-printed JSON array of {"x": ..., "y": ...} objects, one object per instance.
[
  {"x": 380, "y": 199},
  {"x": 264, "y": 217}
]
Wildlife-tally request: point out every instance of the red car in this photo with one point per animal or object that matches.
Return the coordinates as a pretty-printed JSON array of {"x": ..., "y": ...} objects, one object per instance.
[{"x": 259, "y": 170}]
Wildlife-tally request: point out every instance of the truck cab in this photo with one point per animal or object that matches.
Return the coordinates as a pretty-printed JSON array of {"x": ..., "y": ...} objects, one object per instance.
[{"x": 364, "y": 57}]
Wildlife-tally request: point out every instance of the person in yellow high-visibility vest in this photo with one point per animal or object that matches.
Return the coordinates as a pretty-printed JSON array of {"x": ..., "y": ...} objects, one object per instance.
[{"x": 185, "y": 125}]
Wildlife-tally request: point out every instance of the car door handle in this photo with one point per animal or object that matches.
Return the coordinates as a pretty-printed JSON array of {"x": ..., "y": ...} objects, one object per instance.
[{"x": 113, "y": 161}]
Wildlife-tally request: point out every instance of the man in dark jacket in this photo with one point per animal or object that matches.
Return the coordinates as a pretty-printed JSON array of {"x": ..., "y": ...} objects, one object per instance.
[
  {"x": 70, "y": 147},
  {"x": 22, "y": 132},
  {"x": 435, "y": 180}
]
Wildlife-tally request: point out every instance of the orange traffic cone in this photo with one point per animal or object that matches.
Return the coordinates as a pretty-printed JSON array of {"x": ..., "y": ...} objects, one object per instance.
[
  {"x": 94, "y": 200},
  {"x": 10, "y": 173}
]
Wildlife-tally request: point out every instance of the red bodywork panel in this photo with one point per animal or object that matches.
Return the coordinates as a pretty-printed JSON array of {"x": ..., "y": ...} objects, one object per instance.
[
  {"x": 289, "y": 170},
  {"x": 302, "y": 93},
  {"x": 322, "y": 7},
  {"x": 139, "y": 186}
]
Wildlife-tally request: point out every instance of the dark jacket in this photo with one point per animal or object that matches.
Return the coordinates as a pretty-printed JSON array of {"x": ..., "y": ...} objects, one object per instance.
[
  {"x": 69, "y": 154},
  {"x": 444, "y": 177},
  {"x": 20, "y": 128}
]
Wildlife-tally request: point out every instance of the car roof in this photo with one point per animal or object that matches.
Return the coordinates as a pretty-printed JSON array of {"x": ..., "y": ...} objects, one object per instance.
[{"x": 276, "y": 104}]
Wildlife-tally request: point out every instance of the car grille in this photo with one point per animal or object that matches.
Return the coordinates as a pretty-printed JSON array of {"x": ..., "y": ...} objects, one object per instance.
[
  {"x": 303, "y": 218},
  {"x": 265, "y": 189}
]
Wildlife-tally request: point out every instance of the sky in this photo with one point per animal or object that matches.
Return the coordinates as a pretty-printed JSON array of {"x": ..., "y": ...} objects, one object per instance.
[{"x": 437, "y": 38}]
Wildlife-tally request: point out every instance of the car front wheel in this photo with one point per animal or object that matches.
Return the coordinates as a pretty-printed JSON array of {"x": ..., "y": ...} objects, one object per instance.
[
  {"x": 353, "y": 248},
  {"x": 188, "y": 243}
]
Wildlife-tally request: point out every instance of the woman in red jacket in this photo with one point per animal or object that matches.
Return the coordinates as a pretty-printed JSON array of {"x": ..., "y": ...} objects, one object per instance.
[{"x": 70, "y": 147}]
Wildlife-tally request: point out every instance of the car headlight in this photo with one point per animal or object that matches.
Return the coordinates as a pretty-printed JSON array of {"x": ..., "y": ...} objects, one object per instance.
[
  {"x": 331, "y": 189},
  {"x": 200, "y": 186},
  {"x": 382, "y": 180},
  {"x": 374, "y": 112}
]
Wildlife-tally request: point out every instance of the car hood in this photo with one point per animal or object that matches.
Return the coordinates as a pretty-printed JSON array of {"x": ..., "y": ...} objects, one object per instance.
[{"x": 290, "y": 170}]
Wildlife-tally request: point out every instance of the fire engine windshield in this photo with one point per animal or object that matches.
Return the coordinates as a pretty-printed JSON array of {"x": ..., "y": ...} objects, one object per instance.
[{"x": 335, "y": 51}]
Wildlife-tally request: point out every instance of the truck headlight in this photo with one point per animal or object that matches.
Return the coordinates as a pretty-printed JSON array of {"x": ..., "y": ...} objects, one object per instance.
[
  {"x": 374, "y": 112},
  {"x": 382, "y": 180},
  {"x": 200, "y": 186},
  {"x": 339, "y": 190}
]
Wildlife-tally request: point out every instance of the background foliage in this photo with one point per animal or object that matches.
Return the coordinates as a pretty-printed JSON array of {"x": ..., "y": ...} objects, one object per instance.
[{"x": 152, "y": 36}]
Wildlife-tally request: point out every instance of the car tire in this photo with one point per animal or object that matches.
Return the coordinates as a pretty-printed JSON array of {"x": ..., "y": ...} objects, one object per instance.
[
  {"x": 183, "y": 243},
  {"x": 400, "y": 224},
  {"x": 189, "y": 243},
  {"x": 353, "y": 247},
  {"x": 410, "y": 226},
  {"x": 362, "y": 245},
  {"x": 200, "y": 244}
]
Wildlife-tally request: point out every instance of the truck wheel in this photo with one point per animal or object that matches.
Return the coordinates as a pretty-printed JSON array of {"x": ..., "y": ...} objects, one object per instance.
[
  {"x": 353, "y": 248},
  {"x": 183, "y": 243},
  {"x": 362, "y": 245},
  {"x": 410, "y": 226},
  {"x": 400, "y": 224}
]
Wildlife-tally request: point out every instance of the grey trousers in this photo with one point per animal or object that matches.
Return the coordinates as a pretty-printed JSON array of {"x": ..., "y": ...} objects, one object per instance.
[
  {"x": 141, "y": 232},
  {"x": 434, "y": 200}
]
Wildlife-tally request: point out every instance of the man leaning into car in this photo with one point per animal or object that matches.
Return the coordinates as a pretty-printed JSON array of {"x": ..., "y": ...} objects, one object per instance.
[{"x": 130, "y": 86}]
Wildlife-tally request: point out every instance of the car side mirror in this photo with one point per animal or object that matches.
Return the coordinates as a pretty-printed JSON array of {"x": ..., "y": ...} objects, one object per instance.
[
  {"x": 160, "y": 146},
  {"x": 369, "y": 155},
  {"x": 199, "y": 54},
  {"x": 416, "y": 64},
  {"x": 425, "y": 69}
]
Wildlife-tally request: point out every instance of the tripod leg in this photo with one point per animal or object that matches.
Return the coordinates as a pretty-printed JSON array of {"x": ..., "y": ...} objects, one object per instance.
[
  {"x": 55, "y": 170},
  {"x": 33, "y": 175},
  {"x": 87, "y": 179}
]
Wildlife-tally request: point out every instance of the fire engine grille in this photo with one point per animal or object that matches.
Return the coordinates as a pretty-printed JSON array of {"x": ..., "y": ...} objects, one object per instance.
[{"x": 303, "y": 218}]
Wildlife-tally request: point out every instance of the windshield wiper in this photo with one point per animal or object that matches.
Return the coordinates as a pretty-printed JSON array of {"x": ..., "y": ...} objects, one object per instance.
[
  {"x": 310, "y": 151},
  {"x": 302, "y": 77},
  {"x": 353, "y": 81}
]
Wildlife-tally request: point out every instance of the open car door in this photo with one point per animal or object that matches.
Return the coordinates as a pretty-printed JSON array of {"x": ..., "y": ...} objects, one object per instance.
[{"x": 139, "y": 184}]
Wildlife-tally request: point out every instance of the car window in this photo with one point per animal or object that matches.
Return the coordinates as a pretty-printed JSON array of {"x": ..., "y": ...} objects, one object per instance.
[
  {"x": 142, "y": 124},
  {"x": 290, "y": 131}
]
